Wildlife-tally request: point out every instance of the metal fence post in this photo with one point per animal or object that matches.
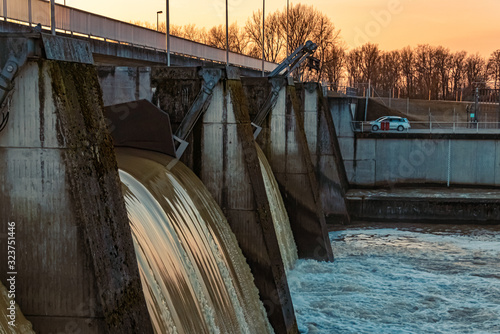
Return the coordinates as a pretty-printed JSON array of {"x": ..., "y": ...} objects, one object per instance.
[
  {"x": 5, "y": 9},
  {"x": 449, "y": 163}
]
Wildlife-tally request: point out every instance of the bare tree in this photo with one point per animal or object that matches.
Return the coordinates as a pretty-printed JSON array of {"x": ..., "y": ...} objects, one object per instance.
[
  {"x": 216, "y": 37},
  {"x": 353, "y": 62},
  {"x": 333, "y": 66},
  {"x": 425, "y": 70},
  {"x": 176, "y": 30},
  {"x": 457, "y": 73},
  {"x": 327, "y": 38},
  {"x": 442, "y": 62},
  {"x": 494, "y": 68},
  {"x": 408, "y": 69},
  {"x": 274, "y": 41},
  {"x": 301, "y": 24},
  {"x": 390, "y": 70},
  {"x": 475, "y": 69},
  {"x": 369, "y": 62}
]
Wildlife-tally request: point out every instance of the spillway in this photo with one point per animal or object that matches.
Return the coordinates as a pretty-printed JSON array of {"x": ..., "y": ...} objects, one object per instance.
[
  {"x": 22, "y": 326},
  {"x": 288, "y": 248},
  {"x": 194, "y": 275}
]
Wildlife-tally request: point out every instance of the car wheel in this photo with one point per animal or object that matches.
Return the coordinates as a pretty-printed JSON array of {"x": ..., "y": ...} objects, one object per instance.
[
  {"x": 401, "y": 128},
  {"x": 375, "y": 127}
]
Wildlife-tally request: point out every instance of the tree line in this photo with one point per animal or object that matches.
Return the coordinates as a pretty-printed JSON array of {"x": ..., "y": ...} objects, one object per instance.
[
  {"x": 426, "y": 72},
  {"x": 420, "y": 72}
]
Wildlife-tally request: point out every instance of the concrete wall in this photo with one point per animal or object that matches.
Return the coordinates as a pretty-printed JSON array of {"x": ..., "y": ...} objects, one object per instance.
[
  {"x": 391, "y": 159},
  {"x": 222, "y": 153},
  {"x": 124, "y": 84},
  {"x": 387, "y": 161},
  {"x": 75, "y": 262},
  {"x": 325, "y": 153},
  {"x": 284, "y": 141}
]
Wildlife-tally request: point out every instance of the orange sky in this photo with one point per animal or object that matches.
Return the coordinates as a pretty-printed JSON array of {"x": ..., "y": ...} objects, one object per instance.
[{"x": 473, "y": 26}]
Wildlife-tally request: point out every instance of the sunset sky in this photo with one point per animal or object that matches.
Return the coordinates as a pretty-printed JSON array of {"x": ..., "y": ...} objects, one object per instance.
[{"x": 473, "y": 26}]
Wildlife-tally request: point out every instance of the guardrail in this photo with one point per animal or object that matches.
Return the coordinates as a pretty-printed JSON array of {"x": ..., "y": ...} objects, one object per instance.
[
  {"x": 434, "y": 127},
  {"x": 79, "y": 22}
]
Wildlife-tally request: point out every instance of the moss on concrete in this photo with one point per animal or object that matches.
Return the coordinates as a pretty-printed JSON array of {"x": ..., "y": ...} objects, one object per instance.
[
  {"x": 92, "y": 175},
  {"x": 267, "y": 266}
]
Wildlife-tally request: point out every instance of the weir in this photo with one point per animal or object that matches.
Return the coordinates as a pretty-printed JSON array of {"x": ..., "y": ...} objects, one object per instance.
[
  {"x": 194, "y": 275},
  {"x": 60, "y": 184},
  {"x": 75, "y": 263}
]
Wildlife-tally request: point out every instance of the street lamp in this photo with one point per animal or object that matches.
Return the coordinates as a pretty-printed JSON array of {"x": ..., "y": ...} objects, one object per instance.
[
  {"x": 287, "y": 48},
  {"x": 167, "y": 24},
  {"x": 263, "y": 32},
  {"x": 157, "y": 20},
  {"x": 227, "y": 36}
]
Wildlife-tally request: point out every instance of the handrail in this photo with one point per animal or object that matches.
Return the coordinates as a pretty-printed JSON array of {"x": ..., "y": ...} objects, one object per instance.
[
  {"x": 434, "y": 127},
  {"x": 97, "y": 26}
]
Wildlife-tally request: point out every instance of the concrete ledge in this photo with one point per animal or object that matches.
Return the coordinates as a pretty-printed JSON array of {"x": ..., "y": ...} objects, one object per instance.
[
  {"x": 412, "y": 135},
  {"x": 440, "y": 205}
]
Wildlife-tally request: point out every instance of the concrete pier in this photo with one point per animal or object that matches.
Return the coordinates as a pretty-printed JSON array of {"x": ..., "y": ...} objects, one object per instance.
[
  {"x": 75, "y": 259},
  {"x": 222, "y": 153},
  {"x": 325, "y": 153},
  {"x": 283, "y": 139},
  {"x": 419, "y": 205}
]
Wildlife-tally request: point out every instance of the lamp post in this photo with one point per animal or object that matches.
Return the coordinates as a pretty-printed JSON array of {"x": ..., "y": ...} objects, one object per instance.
[
  {"x": 168, "y": 34},
  {"x": 53, "y": 17},
  {"x": 287, "y": 48},
  {"x": 263, "y": 32},
  {"x": 157, "y": 20},
  {"x": 227, "y": 36}
]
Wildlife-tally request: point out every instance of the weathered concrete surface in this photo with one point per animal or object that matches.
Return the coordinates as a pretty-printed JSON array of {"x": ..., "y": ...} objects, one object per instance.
[
  {"x": 124, "y": 84},
  {"x": 325, "y": 153},
  {"x": 75, "y": 259},
  {"x": 392, "y": 159},
  {"x": 222, "y": 153},
  {"x": 285, "y": 144},
  {"x": 437, "y": 205}
]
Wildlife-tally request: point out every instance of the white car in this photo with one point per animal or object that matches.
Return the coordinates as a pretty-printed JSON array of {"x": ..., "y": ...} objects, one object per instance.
[{"x": 394, "y": 123}]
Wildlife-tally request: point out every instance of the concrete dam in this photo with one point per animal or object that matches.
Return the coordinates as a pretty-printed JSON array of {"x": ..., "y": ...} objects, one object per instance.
[
  {"x": 109, "y": 231},
  {"x": 177, "y": 199}
]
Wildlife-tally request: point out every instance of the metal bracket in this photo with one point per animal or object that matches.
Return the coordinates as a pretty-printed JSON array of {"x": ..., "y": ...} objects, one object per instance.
[
  {"x": 258, "y": 129},
  {"x": 8, "y": 73},
  {"x": 295, "y": 59},
  {"x": 272, "y": 98},
  {"x": 210, "y": 79},
  {"x": 181, "y": 148}
]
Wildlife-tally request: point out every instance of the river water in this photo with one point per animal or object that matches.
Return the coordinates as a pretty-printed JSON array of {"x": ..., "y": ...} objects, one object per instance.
[{"x": 410, "y": 279}]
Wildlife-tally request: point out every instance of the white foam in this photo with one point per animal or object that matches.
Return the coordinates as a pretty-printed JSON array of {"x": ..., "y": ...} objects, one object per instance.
[{"x": 394, "y": 281}]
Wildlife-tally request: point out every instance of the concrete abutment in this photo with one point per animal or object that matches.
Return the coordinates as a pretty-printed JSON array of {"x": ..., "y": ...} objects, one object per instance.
[{"x": 75, "y": 258}]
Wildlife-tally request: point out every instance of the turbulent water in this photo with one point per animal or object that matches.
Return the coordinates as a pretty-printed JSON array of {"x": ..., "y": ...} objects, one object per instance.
[
  {"x": 414, "y": 280},
  {"x": 194, "y": 275},
  {"x": 287, "y": 245}
]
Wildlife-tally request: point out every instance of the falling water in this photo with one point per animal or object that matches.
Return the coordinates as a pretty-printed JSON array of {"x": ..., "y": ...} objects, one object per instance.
[
  {"x": 194, "y": 275},
  {"x": 284, "y": 234},
  {"x": 22, "y": 326}
]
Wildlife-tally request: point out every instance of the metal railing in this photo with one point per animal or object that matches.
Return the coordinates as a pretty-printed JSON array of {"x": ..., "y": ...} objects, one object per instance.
[
  {"x": 434, "y": 127},
  {"x": 76, "y": 21}
]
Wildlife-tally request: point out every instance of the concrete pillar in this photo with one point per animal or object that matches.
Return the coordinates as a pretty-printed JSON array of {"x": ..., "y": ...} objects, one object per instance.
[
  {"x": 284, "y": 141},
  {"x": 121, "y": 84},
  {"x": 325, "y": 153},
  {"x": 75, "y": 261},
  {"x": 222, "y": 153}
]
